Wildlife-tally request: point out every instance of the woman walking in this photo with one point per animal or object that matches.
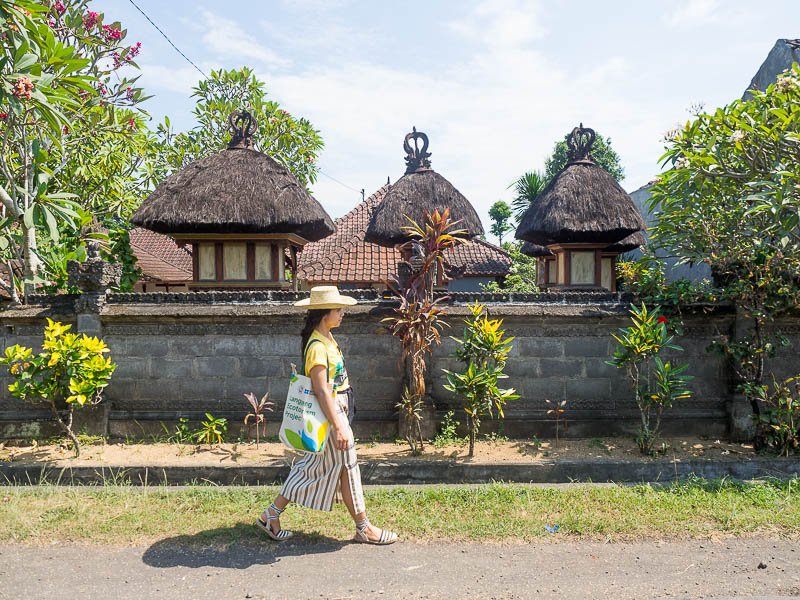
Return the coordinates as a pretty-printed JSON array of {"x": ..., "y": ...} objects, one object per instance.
[{"x": 317, "y": 480}]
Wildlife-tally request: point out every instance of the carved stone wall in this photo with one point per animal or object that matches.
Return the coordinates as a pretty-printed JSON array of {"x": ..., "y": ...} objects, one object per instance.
[{"x": 181, "y": 359}]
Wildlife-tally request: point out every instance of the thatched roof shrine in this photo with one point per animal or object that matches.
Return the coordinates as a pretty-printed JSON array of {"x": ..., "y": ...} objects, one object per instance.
[
  {"x": 633, "y": 241},
  {"x": 582, "y": 204},
  {"x": 420, "y": 190},
  {"x": 535, "y": 250},
  {"x": 238, "y": 190}
]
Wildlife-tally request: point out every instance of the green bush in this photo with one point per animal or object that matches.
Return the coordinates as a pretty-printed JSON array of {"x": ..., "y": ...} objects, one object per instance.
[
  {"x": 656, "y": 384},
  {"x": 484, "y": 352},
  {"x": 71, "y": 371}
]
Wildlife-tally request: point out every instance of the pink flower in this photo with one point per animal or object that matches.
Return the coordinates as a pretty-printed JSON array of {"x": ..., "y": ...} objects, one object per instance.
[
  {"x": 3, "y": 116},
  {"x": 111, "y": 34},
  {"x": 23, "y": 87},
  {"x": 132, "y": 123},
  {"x": 91, "y": 19},
  {"x": 129, "y": 93},
  {"x": 65, "y": 129},
  {"x": 59, "y": 7},
  {"x": 662, "y": 319}
]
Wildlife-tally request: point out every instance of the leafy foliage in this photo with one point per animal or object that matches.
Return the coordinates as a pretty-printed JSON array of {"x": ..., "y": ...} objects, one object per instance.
[
  {"x": 290, "y": 140},
  {"x": 64, "y": 104},
  {"x": 418, "y": 322},
  {"x": 526, "y": 188},
  {"x": 410, "y": 407},
  {"x": 70, "y": 372},
  {"x": 448, "y": 431},
  {"x": 656, "y": 384},
  {"x": 522, "y": 275},
  {"x": 645, "y": 277},
  {"x": 602, "y": 154},
  {"x": 259, "y": 409},
  {"x": 484, "y": 351},
  {"x": 500, "y": 214},
  {"x": 731, "y": 199},
  {"x": 778, "y": 427},
  {"x": 212, "y": 430}
]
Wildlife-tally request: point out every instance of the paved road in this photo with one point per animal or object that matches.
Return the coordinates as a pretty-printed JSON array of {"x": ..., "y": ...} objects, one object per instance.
[{"x": 562, "y": 569}]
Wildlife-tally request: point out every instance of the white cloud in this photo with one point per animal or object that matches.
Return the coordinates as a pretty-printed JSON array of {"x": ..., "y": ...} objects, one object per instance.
[
  {"x": 228, "y": 40},
  {"x": 492, "y": 117},
  {"x": 694, "y": 12},
  {"x": 502, "y": 23}
]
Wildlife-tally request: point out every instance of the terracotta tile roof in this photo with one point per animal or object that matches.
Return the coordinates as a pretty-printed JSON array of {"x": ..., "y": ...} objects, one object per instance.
[
  {"x": 159, "y": 257},
  {"x": 479, "y": 258},
  {"x": 345, "y": 257}
]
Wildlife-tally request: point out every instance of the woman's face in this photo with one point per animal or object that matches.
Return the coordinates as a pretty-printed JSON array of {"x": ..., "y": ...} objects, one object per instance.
[{"x": 334, "y": 317}]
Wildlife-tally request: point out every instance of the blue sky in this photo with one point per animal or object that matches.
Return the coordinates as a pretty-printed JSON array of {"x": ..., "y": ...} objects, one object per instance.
[{"x": 493, "y": 83}]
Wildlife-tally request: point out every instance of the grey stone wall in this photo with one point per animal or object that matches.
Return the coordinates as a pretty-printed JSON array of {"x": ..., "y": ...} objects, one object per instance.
[{"x": 183, "y": 359}]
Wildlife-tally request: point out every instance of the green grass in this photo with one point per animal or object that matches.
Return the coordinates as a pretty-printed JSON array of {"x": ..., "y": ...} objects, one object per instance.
[{"x": 497, "y": 512}]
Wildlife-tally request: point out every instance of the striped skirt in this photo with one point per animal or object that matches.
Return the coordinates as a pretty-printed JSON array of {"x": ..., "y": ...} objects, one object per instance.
[{"x": 314, "y": 481}]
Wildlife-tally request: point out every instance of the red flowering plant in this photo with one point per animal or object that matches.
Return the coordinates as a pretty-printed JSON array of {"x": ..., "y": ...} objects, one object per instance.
[
  {"x": 60, "y": 91},
  {"x": 656, "y": 384},
  {"x": 418, "y": 321}
]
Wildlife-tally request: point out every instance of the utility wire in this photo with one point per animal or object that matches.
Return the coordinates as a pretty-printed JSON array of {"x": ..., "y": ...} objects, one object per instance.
[
  {"x": 169, "y": 40},
  {"x": 342, "y": 184},
  {"x": 199, "y": 70}
]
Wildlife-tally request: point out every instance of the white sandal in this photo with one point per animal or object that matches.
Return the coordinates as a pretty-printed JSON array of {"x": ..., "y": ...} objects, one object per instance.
[
  {"x": 266, "y": 527},
  {"x": 387, "y": 537}
]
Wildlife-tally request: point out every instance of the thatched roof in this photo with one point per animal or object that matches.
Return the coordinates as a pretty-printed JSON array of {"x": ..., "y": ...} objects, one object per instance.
[
  {"x": 238, "y": 190},
  {"x": 419, "y": 191},
  {"x": 531, "y": 249},
  {"x": 583, "y": 203},
  {"x": 631, "y": 242},
  {"x": 346, "y": 258}
]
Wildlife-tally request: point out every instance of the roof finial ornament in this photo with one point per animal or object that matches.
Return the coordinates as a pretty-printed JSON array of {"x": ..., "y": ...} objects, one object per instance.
[
  {"x": 416, "y": 158},
  {"x": 579, "y": 145},
  {"x": 242, "y": 126}
]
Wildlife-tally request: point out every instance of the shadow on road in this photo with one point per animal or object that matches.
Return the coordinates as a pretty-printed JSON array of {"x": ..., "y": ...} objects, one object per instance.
[{"x": 237, "y": 547}]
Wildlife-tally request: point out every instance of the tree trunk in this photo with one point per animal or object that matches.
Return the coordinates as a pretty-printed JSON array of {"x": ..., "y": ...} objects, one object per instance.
[
  {"x": 30, "y": 259},
  {"x": 67, "y": 427},
  {"x": 471, "y": 425}
]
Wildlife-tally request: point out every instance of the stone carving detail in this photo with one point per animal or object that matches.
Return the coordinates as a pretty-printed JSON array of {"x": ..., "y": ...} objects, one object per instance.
[{"x": 94, "y": 278}]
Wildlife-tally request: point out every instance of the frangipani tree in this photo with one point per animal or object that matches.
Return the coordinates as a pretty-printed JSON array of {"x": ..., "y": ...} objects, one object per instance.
[
  {"x": 731, "y": 199},
  {"x": 56, "y": 90}
]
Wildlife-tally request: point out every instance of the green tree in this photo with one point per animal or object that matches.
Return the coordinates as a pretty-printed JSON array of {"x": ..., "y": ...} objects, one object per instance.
[
  {"x": 731, "y": 199},
  {"x": 500, "y": 214},
  {"x": 526, "y": 188},
  {"x": 292, "y": 141},
  {"x": 61, "y": 84},
  {"x": 521, "y": 277},
  {"x": 602, "y": 154}
]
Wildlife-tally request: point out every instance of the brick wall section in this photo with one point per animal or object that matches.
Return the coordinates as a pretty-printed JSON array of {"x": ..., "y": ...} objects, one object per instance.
[{"x": 183, "y": 360}]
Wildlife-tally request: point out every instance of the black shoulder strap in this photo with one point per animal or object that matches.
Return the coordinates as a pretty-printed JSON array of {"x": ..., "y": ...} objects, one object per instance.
[{"x": 305, "y": 352}]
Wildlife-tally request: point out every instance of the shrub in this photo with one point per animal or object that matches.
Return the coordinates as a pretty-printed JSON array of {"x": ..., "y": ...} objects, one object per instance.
[
  {"x": 70, "y": 372},
  {"x": 778, "y": 426},
  {"x": 656, "y": 384},
  {"x": 484, "y": 352}
]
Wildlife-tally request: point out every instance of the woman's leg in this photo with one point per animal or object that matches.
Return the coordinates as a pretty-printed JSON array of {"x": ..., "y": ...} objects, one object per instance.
[
  {"x": 275, "y": 524},
  {"x": 373, "y": 533}
]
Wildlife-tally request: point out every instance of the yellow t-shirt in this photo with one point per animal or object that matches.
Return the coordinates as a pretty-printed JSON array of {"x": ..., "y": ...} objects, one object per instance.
[{"x": 327, "y": 353}]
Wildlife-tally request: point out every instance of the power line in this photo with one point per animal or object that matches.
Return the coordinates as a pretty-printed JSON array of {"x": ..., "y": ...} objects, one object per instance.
[
  {"x": 199, "y": 70},
  {"x": 169, "y": 40},
  {"x": 342, "y": 184}
]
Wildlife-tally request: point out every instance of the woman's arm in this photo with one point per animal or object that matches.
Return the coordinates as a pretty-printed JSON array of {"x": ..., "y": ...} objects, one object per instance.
[{"x": 323, "y": 392}]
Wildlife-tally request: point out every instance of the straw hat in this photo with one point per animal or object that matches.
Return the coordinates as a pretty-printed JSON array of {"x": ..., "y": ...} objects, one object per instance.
[{"x": 325, "y": 296}]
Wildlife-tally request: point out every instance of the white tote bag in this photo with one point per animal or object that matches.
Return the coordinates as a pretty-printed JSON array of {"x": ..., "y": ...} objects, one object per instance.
[{"x": 304, "y": 426}]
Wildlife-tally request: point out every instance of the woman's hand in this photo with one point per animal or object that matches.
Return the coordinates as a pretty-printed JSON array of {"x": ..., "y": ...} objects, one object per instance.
[{"x": 342, "y": 435}]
